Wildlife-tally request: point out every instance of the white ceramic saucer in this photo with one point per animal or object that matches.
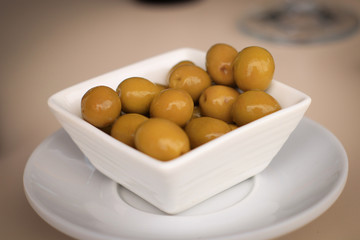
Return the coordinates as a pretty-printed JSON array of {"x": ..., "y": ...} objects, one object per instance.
[{"x": 303, "y": 181}]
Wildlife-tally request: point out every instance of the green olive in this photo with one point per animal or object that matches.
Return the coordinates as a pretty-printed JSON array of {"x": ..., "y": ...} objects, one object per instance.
[
  {"x": 100, "y": 106},
  {"x": 253, "y": 69},
  {"x": 219, "y": 59},
  {"x": 191, "y": 78},
  {"x": 136, "y": 94},
  {"x": 204, "y": 129},
  {"x": 125, "y": 126},
  {"x": 216, "y": 101},
  {"x": 179, "y": 64},
  {"x": 173, "y": 104},
  {"x": 252, "y": 105},
  {"x": 161, "y": 139}
]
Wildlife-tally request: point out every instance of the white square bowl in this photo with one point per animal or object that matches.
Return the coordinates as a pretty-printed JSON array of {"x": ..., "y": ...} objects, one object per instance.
[{"x": 179, "y": 184}]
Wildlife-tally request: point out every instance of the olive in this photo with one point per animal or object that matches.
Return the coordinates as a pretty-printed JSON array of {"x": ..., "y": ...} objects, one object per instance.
[
  {"x": 161, "y": 139},
  {"x": 125, "y": 126},
  {"x": 191, "y": 78},
  {"x": 107, "y": 129},
  {"x": 181, "y": 63},
  {"x": 161, "y": 86},
  {"x": 173, "y": 104},
  {"x": 252, "y": 105},
  {"x": 100, "y": 106},
  {"x": 253, "y": 68},
  {"x": 136, "y": 94},
  {"x": 233, "y": 126},
  {"x": 216, "y": 101},
  {"x": 219, "y": 59},
  {"x": 204, "y": 129}
]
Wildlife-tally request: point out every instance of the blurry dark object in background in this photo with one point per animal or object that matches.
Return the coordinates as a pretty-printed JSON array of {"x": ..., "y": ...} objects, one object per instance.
[
  {"x": 165, "y": 2},
  {"x": 301, "y": 22}
]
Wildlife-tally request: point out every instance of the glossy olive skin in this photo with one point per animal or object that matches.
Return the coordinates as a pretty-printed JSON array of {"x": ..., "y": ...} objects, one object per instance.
[
  {"x": 181, "y": 63},
  {"x": 190, "y": 78},
  {"x": 252, "y": 105},
  {"x": 136, "y": 94},
  {"x": 219, "y": 59},
  {"x": 125, "y": 126},
  {"x": 161, "y": 86},
  {"x": 100, "y": 106},
  {"x": 233, "y": 126},
  {"x": 173, "y": 104},
  {"x": 204, "y": 129},
  {"x": 161, "y": 139},
  {"x": 253, "y": 69},
  {"x": 216, "y": 101}
]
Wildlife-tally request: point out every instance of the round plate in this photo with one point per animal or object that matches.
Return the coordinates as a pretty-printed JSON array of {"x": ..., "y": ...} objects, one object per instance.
[{"x": 302, "y": 181}]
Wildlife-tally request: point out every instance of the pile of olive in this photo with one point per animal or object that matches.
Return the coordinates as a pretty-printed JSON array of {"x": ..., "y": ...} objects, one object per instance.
[{"x": 195, "y": 106}]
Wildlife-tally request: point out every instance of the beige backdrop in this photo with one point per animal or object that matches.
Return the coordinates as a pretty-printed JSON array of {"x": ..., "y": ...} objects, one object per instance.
[{"x": 47, "y": 45}]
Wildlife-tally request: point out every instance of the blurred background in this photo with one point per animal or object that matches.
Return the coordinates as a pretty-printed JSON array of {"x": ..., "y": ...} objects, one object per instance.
[{"x": 48, "y": 45}]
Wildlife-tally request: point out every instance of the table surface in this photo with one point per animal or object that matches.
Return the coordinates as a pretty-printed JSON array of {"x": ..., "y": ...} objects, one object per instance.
[{"x": 49, "y": 45}]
